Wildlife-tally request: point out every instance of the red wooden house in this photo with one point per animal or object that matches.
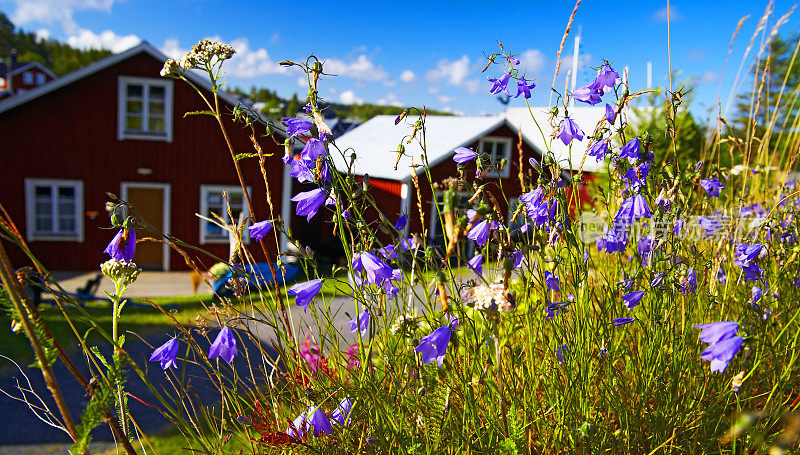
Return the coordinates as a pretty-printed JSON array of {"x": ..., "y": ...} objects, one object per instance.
[
  {"x": 16, "y": 78},
  {"x": 375, "y": 143},
  {"x": 117, "y": 126}
]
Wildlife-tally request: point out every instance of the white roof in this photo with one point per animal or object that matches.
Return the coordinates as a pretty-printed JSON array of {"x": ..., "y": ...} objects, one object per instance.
[
  {"x": 568, "y": 157},
  {"x": 94, "y": 67},
  {"x": 375, "y": 142}
]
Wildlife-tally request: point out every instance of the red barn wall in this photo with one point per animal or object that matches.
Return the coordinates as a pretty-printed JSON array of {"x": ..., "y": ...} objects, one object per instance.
[{"x": 71, "y": 133}]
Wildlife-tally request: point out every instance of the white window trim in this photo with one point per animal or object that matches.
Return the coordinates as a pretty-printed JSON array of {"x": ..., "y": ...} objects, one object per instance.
[
  {"x": 122, "y": 108},
  {"x": 204, "y": 190},
  {"x": 503, "y": 174},
  {"x": 30, "y": 211}
]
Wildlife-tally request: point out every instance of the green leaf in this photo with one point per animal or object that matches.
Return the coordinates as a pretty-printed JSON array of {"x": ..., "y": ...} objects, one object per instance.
[
  {"x": 242, "y": 156},
  {"x": 211, "y": 113}
]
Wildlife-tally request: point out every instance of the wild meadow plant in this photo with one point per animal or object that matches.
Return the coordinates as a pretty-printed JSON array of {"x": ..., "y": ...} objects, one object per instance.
[{"x": 661, "y": 319}]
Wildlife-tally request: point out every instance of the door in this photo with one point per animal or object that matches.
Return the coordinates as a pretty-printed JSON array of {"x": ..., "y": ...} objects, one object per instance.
[{"x": 150, "y": 202}]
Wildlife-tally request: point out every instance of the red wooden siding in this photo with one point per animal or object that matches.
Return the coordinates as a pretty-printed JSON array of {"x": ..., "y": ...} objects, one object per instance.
[{"x": 71, "y": 133}]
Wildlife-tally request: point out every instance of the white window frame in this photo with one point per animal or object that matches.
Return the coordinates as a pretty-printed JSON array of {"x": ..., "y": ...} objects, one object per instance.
[
  {"x": 204, "y": 191},
  {"x": 30, "y": 211},
  {"x": 122, "y": 111},
  {"x": 41, "y": 78},
  {"x": 506, "y": 171},
  {"x": 27, "y": 77}
]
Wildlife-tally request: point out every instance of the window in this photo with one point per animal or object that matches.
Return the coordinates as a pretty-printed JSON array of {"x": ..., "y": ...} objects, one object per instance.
[
  {"x": 145, "y": 109},
  {"x": 497, "y": 149},
  {"x": 53, "y": 209},
  {"x": 212, "y": 201},
  {"x": 27, "y": 78},
  {"x": 40, "y": 78}
]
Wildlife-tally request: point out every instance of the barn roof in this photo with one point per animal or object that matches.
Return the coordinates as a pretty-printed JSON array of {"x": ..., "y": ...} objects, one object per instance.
[
  {"x": 94, "y": 67},
  {"x": 375, "y": 142}
]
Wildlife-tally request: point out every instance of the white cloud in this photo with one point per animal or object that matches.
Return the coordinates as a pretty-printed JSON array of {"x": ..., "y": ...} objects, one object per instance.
[
  {"x": 87, "y": 39},
  {"x": 42, "y": 34},
  {"x": 446, "y": 99},
  {"x": 389, "y": 99},
  {"x": 247, "y": 63},
  {"x": 452, "y": 72},
  {"x": 302, "y": 82},
  {"x": 709, "y": 77},
  {"x": 532, "y": 62},
  {"x": 661, "y": 15},
  {"x": 349, "y": 97},
  {"x": 472, "y": 85},
  {"x": 172, "y": 48},
  {"x": 56, "y": 11},
  {"x": 584, "y": 66},
  {"x": 408, "y": 76},
  {"x": 361, "y": 69},
  {"x": 433, "y": 90}
]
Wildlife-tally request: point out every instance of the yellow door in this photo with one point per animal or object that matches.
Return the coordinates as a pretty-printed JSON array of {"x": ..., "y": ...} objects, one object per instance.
[{"x": 149, "y": 202}]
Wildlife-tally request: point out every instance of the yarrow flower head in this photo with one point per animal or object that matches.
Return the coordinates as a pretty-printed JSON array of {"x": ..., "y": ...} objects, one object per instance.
[
  {"x": 223, "y": 346},
  {"x": 434, "y": 346},
  {"x": 463, "y": 155},
  {"x": 500, "y": 84},
  {"x": 492, "y": 297},
  {"x": 166, "y": 354},
  {"x": 123, "y": 274},
  {"x": 305, "y": 292},
  {"x": 260, "y": 229},
  {"x": 123, "y": 246},
  {"x": 569, "y": 130}
]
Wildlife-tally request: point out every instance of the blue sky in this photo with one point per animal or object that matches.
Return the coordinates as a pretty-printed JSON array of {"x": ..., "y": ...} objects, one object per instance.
[{"x": 422, "y": 53}]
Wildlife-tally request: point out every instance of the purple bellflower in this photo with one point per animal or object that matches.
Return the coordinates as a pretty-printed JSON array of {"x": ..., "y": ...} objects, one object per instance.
[
  {"x": 712, "y": 186},
  {"x": 516, "y": 258},
  {"x": 223, "y": 346},
  {"x": 480, "y": 232},
  {"x": 500, "y": 84},
  {"x": 569, "y": 130},
  {"x": 312, "y": 421},
  {"x": 630, "y": 150},
  {"x": 598, "y": 150},
  {"x": 721, "y": 353},
  {"x": 377, "y": 270},
  {"x": 606, "y": 77},
  {"x": 622, "y": 321},
  {"x": 587, "y": 94},
  {"x": 313, "y": 149},
  {"x": 714, "y": 332},
  {"x": 360, "y": 323},
  {"x": 309, "y": 202},
  {"x": 523, "y": 88},
  {"x": 305, "y": 292},
  {"x": 123, "y": 246},
  {"x": 434, "y": 346},
  {"x": 401, "y": 223},
  {"x": 757, "y": 293},
  {"x": 632, "y": 299},
  {"x": 690, "y": 282},
  {"x": 166, "y": 354},
  {"x": 632, "y": 209},
  {"x": 721, "y": 277},
  {"x": 611, "y": 114},
  {"x": 341, "y": 414},
  {"x": 551, "y": 281},
  {"x": 476, "y": 264},
  {"x": 561, "y": 353},
  {"x": 260, "y": 229},
  {"x": 463, "y": 155},
  {"x": 295, "y": 126}
]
